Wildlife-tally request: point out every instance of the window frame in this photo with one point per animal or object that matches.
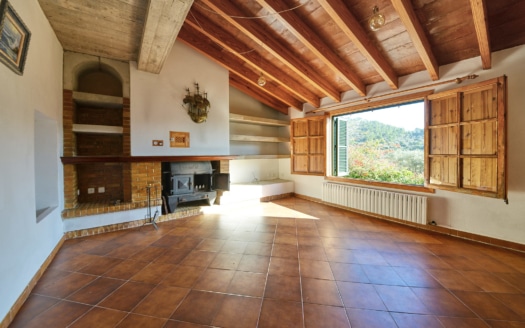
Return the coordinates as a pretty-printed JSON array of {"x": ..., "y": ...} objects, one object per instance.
[
  {"x": 370, "y": 105},
  {"x": 308, "y": 145}
]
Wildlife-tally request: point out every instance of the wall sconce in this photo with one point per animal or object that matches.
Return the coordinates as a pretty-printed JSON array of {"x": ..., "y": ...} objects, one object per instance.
[
  {"x": 377, "y": 20},
  {"x": 198, "y": 105}
]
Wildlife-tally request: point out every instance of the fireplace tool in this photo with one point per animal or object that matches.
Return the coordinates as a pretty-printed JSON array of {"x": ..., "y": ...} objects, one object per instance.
[{"x": 148, "y": 213}]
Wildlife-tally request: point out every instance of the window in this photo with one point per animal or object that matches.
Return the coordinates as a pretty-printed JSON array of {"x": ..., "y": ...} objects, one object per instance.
[
  {"x": 308, "y": 144},
  {"x": 382, "y": 144},
  {"x": 466, "y": 139},
  {"x": 458, "y": 145}
]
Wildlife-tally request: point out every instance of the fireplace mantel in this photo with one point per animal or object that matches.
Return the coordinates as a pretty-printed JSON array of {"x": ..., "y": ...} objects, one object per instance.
[{"x": 138, "y": 159}]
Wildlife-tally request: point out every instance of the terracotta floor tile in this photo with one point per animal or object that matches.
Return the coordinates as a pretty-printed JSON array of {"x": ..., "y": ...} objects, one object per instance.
[
  {"x": 255, "y": 248},
  {"x": 199, "y": 258},
  {"x": 441, "y": 302},
  {"x": 189, "y": 242},
  {"x": 401, "y": 299},
  {"x": 309, "y": 241},
  {"x": 74, "y": 263},
  {"x": 173, "y": 256},
  {"x": 124, "y": 251},
  {"x": 409, "y": 320},
  {"x": 453, "y": 280},
  {"x": 254, "y": 263},
  {"x": 182, "y": 324},
  {"x": 234, "y": 246},
  {"x": 60, "y": 315},
  {"x": 168, "y": 241},
  {"x": 516, "y": 279},
  {"x": 162, "y": 301},
  {"x": 226, "y": 261},
  {"x": 320, "y": 291},
  {"x": 199, "y": 307},
  {"x": 276, "y": 313},
  {"x": 104, "y": 248},
  {"x": 100, "y": 318},
  {"x": 183, "y": 276},
  {"x": 316, "y": 315},
  {"x": 283, "y": 229},
  {"x": 384, "y": 275},
  {"x": 33, "y": 306},
  {"x": 489, "y": 282},
  {"x": 512, "y": 301},
  {"x": 370, "y": 319},
  {"x": 140, "y": 321},
  {"x": 361, "y": 296},
  {"x": 127, "y": 296},
  {"x": 451, "y": 322},
  {"x": 148, "y": 254},
  {"x": 216, "y": 280},
  {"x": 284, "y": 288},
  {"x": 316, "y": 269},
  {"x": 349, "y": 272},
  {"x": 312, "y": 253},
  {"x": 487, "y": 306},
  {"x": 65, "y": 286},
  {"x": 212, "y": 245},
  {"x": 96, "y": 291},
  {"x": 505, "y": 324},
  {"x": 125, "y": 269},
  {"x": 340, "y": 255},
  {"x": 286, "y": 251},
  {"x": 415, "y": 277},
  {"x": 153, "y": 273},
  {"x": 371, "y": 257},
  {"x": 247, "y": 283},
  {"x": 238, "y": 312},
  {"x": 284, "y": 266}
]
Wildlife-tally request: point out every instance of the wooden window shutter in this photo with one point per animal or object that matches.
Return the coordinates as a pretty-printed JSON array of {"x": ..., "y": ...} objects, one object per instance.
[
  {"x": 466, "y": 139},
  {"x": 308, "y": 145}
]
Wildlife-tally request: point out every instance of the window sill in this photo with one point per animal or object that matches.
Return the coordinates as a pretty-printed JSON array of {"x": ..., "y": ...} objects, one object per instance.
[{"x": 381, "y": 184}]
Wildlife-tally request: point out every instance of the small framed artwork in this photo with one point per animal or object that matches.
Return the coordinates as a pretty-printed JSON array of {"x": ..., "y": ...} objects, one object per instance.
[{"x": 14, "y": 38}]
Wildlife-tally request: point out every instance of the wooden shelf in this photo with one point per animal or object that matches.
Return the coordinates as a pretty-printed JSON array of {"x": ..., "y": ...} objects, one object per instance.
[
  {"x": 101, "y": 129},
  {"x": 257, "y": 120},
  {"x": 261, "y": 156},
  {"x": 93, "y": 99},
  {"x": 247, "y": 138}
]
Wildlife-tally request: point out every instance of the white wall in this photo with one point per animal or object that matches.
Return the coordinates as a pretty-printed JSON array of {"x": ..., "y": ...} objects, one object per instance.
[
  {"x": 24, "y": 244},
  {"x": 157, "y": 107},
  {"x": 474, "y": 214}
]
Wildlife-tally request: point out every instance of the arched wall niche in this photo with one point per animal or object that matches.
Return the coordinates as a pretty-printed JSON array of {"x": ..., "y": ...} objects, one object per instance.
[{"x": 87, "y": 68}]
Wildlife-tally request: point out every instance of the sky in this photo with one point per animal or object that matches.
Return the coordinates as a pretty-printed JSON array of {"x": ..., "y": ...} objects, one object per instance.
[{"x": 409, "y": 116}]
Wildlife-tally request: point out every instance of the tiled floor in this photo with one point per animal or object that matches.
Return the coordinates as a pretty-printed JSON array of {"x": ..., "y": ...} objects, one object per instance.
[{"x": 290, "y": 263}]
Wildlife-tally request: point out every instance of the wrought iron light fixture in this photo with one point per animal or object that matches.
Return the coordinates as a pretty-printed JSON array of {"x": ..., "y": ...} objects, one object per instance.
[
  {"x": 261, "y": 81},
  {"x": 377, "y": 20},
  {"x": 198, "y": 105}
]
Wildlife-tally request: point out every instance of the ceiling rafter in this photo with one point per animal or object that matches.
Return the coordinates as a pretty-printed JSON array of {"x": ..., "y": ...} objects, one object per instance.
[
  {"x": 164, "y": 19},
  {"x": 250, "y": 90},
  {"x": 417, "y": 35},
  {"x": 479, "y": 16},
  {"x": 307, "y": 36},
  {"x": 280, "y": 51},
  {"x": 226, "y": 40},
  {"x": 201, "y": 43},
  {"x": 347, "y": 22}
]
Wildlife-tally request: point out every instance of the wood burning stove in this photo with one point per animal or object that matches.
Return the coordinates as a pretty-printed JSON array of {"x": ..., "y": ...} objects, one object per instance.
[{"x": 191, "y": 182}]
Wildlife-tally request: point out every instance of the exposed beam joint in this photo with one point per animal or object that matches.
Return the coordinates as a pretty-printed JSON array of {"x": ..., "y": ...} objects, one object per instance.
[
  {"x": 417, "y": 35},
  {"x": 163, "y": 22},
  {"x": 304, "y": 33},
  {"x": 279, "y": 50},
  {"x": 479, "y": 16},
  {"x": 347, "y": 22}
]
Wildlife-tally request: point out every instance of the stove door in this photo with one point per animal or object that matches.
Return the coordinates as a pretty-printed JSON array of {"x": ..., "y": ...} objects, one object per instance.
[{"x": 182, "y": 184}]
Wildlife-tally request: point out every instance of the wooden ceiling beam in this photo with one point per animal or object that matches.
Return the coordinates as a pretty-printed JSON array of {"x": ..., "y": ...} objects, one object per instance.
[
  {"x": 307, "y": 36},
  {"x": 202, "y": 44},
  {"x": 417, "y": 34},
  {"x": 226, "y": 40},
  {"x": 347, "y": 22},
  {"x": 163, "y": 22},
  {"x": 250, "y": 90},
  {"x": 479, "y": 16},
  {"x": 279, "y": 50}
]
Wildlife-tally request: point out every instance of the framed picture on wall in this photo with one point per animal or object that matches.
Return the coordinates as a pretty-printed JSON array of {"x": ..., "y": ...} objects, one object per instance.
[{"x": 14, "y": 38}]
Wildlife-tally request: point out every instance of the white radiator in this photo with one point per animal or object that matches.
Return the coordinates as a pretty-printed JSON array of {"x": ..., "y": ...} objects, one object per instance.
[{"x": 391, "y": 204}]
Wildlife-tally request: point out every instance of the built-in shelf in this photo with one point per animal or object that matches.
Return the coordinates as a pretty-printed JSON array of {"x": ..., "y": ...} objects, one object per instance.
[
  {"x": 247, "y": 138},
  {"x": 93, "y": 99},
  {"x": 89, "y": 128},
  {"x": 261, "y": 156},
  {"x": 237, "y": 118}
]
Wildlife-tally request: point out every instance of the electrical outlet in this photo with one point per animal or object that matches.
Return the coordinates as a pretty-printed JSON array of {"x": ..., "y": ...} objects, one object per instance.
[
  {"x": 91, "y": 190},
  {"x": 157, "y": 143},
  {"x": 101, "y": 190}
]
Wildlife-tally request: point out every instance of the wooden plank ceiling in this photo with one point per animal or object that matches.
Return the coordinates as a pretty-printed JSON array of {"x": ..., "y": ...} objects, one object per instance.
[{"x": 306, "y": 50}]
